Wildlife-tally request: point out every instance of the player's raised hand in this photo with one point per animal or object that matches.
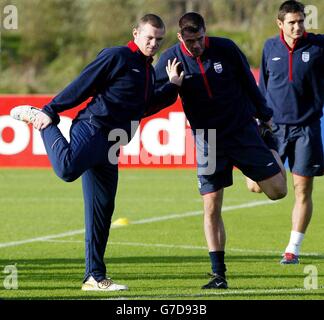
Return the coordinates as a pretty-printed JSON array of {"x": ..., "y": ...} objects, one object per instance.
[
  {"x": 31, "y": 114},
  {"x": 41, "y": 121},
  {"x": 173, "y": 73}
]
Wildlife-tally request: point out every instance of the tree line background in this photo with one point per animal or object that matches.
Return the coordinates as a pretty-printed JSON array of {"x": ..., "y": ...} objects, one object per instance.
[{"x": 55, "y": 39}]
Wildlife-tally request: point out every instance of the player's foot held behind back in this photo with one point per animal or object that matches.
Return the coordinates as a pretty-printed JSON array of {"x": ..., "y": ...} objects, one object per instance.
[{"x": 25, "y": 113}]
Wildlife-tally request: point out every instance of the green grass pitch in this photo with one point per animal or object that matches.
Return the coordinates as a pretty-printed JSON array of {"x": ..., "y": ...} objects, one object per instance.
[{"x": 161, "y": 253}]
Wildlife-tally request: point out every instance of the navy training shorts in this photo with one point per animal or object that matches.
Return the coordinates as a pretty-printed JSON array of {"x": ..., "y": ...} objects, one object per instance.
[
  {"x": 244, "y": 149},
  {"x": 302, "y": 146}
]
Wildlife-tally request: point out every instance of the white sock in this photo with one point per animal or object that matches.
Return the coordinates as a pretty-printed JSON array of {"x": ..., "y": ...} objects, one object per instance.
[{"x": 295, "y": 241}]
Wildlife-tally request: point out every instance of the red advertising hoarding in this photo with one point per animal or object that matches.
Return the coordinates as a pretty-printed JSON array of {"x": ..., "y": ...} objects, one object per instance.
[{"x": 162, "y": 140}]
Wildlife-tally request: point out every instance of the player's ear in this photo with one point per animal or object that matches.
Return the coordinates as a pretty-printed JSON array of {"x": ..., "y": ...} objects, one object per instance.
[
  {"x": 135, "y": 33},
  {"x": 179, "y": 37},
  {"x": 280, "y": 24}
]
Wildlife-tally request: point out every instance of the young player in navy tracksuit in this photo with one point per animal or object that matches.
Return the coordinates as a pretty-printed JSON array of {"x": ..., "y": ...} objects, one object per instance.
[
  {"x": 121, "y": 82},
  {"x": 219, "y": 92},
  {"x": 292, "y": 80}
]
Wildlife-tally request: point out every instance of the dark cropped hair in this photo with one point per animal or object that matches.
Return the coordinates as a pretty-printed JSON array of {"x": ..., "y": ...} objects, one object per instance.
[
  {"x": 191, "y": 22},
  {"x": 153, "y": 20},
  {"x": 290, "y": 6}
]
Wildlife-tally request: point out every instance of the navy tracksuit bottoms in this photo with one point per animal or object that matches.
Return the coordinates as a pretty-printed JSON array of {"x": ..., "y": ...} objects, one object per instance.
[{"x": 87, "y": 154}]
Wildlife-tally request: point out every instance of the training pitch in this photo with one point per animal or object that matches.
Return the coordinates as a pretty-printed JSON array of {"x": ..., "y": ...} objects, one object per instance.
[{"x": 161, "y": 253}]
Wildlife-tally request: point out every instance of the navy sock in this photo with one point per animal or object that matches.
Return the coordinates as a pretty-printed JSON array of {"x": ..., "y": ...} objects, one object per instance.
[{"x": 217, "y": 262}]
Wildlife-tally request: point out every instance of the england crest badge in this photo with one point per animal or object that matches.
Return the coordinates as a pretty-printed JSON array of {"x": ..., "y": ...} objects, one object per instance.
[
  {"x": 218, "y": 67},
  {"x": 305, "y": 56}
]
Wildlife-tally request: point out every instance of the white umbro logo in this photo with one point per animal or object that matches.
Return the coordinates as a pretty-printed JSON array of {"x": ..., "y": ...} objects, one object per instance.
[
  {"x": 136, "y": 70},
  {"x": 269, "y": 164},
  {"x": 276, "y": 59},
  {"x": 188, "y": 76},
  {"x": 316, "y": 166}
]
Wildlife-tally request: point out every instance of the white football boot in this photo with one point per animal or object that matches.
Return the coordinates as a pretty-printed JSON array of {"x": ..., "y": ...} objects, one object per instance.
[
  {"x": 24, "y": 113},
  {"x": 104, "y": 285}
]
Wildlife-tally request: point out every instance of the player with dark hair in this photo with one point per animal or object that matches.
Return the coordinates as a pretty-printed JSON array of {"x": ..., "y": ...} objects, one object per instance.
[
  {"x": 292, "y": 80},
  {"x": 121, "y": 83},
  {"x": 219, "y": 92}
]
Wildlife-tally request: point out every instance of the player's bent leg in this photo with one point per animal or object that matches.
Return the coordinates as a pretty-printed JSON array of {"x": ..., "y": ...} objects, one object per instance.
[
  {"x": 281, "y": 165},
  {"x": 56, "y": 146},
  {"x": 274, "y": 187},
  {"x": 59, "y": 153},
  {"x": 87, "y": 147},
  {"x": 254, "y": 186}
]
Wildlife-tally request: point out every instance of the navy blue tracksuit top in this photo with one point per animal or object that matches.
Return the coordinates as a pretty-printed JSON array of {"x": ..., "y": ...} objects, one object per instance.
[
  {"x": 292, "y": 79},
  {"x": 121, "y": 82},
  {"x": 219, "y": 90}
]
